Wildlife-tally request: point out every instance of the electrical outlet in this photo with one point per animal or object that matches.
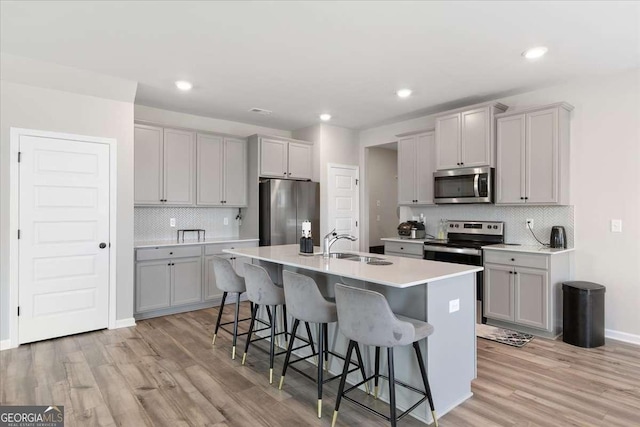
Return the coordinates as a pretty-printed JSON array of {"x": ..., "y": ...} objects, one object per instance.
[
  {"x": 616, "y": 226},
  {"x": 377, "y": 202},
  {"x": 172, "y": 222},
  {"x": 225, "y": 221},
  {"x": 528, "y": 223},
  {"x": 377, "y": 217},
  {"x": 454, "y": 305}
]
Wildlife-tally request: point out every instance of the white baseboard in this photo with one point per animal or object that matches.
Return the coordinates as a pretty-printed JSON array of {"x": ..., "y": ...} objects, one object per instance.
[
  {"x": 622, "y": 336},
  {"x": 125, "y": 323},
  {"x": 5, "y": 345}
]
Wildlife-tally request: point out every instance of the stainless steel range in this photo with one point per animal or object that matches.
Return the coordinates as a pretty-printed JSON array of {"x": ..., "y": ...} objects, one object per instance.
[{"x": 463, "y": 246}]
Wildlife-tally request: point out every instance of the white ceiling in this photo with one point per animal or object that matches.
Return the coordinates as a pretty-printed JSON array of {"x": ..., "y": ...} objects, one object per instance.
[{"x": 300, "y": 59}]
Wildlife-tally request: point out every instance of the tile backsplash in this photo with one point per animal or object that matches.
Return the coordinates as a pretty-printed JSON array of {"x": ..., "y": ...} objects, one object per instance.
[
  {"x": 514, "y": 217},
  {"x": 152, "y": 223}
]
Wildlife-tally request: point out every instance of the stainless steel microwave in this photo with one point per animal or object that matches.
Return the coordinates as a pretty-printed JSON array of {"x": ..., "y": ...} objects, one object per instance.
[{"x": 465, "y": 185}]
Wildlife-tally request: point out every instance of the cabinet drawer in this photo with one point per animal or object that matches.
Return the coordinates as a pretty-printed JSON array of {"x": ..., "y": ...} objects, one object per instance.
[
  {"x": 217, "y": 248},
  {"x": 517, "y": 259},
  {"x": 404, "y": 248},
  {"x": 168, "y": 252}
]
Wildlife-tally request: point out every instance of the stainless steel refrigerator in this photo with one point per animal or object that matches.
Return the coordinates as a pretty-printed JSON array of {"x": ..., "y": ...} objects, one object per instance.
[{"x": 284, "y": 205}]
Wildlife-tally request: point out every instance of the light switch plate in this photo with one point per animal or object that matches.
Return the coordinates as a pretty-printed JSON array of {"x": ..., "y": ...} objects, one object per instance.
[
  {"x": 225, "y": 221},
  {"x": 454, "y": 305},
  {"x": 616, "y": 226}
]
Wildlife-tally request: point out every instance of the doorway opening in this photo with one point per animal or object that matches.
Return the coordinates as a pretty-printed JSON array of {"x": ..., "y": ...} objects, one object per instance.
[{"x": 382, "y": 188}]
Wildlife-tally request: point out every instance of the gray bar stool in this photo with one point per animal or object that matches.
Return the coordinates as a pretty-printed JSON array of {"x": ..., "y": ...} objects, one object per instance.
[
  {"x": 365, "y": 317},
  {"x": 262, "y": 291},
  {"x": 307, "y": 304},
  {"x": 228, "y": 280}
]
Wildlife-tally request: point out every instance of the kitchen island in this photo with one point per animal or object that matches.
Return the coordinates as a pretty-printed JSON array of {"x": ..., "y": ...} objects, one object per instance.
[{"x": 442, "y": 294}]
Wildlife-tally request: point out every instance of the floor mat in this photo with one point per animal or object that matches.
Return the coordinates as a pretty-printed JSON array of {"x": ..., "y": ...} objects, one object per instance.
[{"x": 503, "y": 336}]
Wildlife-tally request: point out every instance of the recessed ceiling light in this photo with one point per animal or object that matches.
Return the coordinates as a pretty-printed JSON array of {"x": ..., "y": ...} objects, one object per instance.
[
  {"x": 325, "y": 117},
  {"x": 535, "y": 52},
  {"x": 183, "y": 85},
  {"x": 404, "y": 93}
]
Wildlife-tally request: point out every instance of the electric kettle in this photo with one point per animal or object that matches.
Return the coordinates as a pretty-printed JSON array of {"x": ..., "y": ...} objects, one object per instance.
[{"x": 558, "y": 237}]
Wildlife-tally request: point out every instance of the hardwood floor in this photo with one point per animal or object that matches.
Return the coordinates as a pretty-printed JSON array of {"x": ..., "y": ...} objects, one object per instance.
[{"x": 164, "y": 372}]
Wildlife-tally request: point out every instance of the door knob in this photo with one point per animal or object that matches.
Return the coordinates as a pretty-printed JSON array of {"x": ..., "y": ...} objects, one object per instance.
[{"x": 102, "y": 245}]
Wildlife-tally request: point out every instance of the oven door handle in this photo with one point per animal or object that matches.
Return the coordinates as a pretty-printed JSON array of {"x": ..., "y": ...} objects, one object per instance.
[
  {"x": 476, "y": 187},
  {"x": 464, "y": 251}
]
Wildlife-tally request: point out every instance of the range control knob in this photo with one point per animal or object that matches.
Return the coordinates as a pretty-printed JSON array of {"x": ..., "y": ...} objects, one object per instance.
[{"x": 457, "y": 225}]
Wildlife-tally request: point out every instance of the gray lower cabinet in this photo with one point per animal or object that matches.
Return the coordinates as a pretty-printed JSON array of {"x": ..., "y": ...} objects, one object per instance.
[
  {"x": 524, "y": 291},
  {"x": 498, "y": 292},
  {"x": 153, "y": 285},
  {"x": 186, "y": 281},
  {"x": 168, "y": 283},
  {"x": 171, "y": 279}
]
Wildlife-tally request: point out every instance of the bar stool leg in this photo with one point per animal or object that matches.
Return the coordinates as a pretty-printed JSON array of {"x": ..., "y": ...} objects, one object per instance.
[
  {"x": 296, "y": 322},
  {"x": 284, "y": 323},
  {"x": 254, "y": 313},
  {"x": 235, "y": 328},
  {"x": 361, "y": 364},
  {"x": 215, "y": 332},
  {"x": 392, "y": 388},
  {"x": 272, "y": 344},
  {"x": 326, "y": 346},
  {"x": 425, "y": 380},
  {"x": 343, "y": 380},
  {"x": 321, "y": 343},
  {"x": 313, "y": 349},
  {"x": 377, "y": 374}
]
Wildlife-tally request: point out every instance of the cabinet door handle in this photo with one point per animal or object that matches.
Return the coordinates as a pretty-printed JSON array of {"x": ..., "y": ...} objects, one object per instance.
[
  {"x": 511, "y": 272},
  {"x": 284, "y": 173},
  {"x": 513, "y": 259},
  {"x": 515, "y": 272},
  {"x": 170, "y": 253}
]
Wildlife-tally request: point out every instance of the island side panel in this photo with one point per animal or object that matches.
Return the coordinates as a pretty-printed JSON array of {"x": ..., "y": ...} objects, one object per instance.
[{"x": 451, "y": 352}]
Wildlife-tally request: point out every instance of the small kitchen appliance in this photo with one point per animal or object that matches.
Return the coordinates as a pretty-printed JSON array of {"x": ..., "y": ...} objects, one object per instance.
[
  {"x": 405, "y": 230},
  {"x": 558, "y": 237}
]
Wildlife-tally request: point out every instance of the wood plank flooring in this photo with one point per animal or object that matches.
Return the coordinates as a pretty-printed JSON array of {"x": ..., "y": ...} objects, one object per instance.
[{"x": 164, "y": 372}]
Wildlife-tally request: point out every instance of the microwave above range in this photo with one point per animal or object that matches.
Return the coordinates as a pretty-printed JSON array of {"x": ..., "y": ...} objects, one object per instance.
[{"x": 465, "y": 185}]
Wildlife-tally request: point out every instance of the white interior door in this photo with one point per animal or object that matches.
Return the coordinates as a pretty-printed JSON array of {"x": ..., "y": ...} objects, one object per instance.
[
  {"x": 343, "y": 205},
  {"x": 64, "y": 218}
]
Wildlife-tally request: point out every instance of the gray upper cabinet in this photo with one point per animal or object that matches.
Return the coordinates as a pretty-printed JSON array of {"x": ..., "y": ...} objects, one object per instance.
[
  {"x": 164, "y": 166},
  {"x": 148, "y": 165},
  {"x": 416, "y": 164},
  {"x": 465, "y": 137},
  {"x": 299, "y": 161},
  {"x": 179, "y": 167},
  {"x": 533, "y": 156},
  {"x": 221, "y": 177},
  {"x": 284, "y": 158}
]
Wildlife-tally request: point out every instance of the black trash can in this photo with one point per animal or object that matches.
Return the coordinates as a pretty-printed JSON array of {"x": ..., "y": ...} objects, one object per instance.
[{"x": 583, "y": 314}]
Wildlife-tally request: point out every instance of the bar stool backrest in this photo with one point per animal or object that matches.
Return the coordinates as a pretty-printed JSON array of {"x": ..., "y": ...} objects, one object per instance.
[
  {"x": 227, "y": 279},
  {"x": 260, "y": 288},
  {"x": 364, "y": 316},
  {"x": 304, "y": 300}
]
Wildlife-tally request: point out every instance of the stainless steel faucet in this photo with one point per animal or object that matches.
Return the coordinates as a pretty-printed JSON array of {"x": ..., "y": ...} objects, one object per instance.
[{"x": 331, "y": 238}]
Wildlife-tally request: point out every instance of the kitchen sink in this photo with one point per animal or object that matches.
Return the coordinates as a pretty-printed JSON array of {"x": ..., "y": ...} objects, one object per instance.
[{"x": 360, "y": 258}]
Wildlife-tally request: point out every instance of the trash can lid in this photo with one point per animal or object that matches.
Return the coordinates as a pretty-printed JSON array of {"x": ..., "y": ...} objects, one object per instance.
[{"x": 583, "y": 287}]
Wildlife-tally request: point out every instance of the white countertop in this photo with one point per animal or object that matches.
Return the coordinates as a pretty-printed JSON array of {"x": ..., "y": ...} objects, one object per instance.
[
  {"x": 160, "y": 243},
  {"x": 403, "y": 273},
  {"x": 405, "y": 240},
  {"x": 528, "y": 249}
]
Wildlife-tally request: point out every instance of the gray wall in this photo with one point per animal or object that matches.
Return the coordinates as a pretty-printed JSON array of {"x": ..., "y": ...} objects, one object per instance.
[
  {"x": 37, "y": 108},
  {"x": 382, "y": 175}
]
